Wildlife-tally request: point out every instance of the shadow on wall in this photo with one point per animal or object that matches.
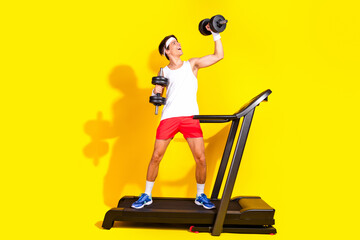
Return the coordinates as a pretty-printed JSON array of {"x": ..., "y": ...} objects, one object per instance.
[
  {"x": 133, "y": 127},
  {"x": 133, "y": 132}
]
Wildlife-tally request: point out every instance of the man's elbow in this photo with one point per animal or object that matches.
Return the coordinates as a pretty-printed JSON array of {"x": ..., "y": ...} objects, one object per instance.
[{"x": 220, "y": 57}]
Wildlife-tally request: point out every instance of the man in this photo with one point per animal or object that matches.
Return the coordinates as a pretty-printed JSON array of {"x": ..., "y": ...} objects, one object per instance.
[{"x": 177, "y": 114}]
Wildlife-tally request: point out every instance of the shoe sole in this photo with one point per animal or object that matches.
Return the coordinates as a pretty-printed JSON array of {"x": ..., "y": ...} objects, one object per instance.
[
  {"x": 148, "y": 203},
  {"x": 200, "y": 204}
]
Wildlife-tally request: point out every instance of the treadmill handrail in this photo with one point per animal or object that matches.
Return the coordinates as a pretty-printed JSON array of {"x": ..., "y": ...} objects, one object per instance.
[
  {"x": 245, "y": 109},
  {"x": 215, "y": 118},
  {"x": 232, "y": 174}
]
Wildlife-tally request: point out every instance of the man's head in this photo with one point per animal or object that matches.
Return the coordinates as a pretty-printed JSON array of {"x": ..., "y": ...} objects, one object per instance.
[{"x": 169, "y": 46}]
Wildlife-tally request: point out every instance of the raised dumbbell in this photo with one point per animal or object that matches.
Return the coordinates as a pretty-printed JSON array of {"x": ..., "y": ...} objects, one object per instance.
[
  {"x": 158, "y": 100},
  {"x": 217, "y": 24}
]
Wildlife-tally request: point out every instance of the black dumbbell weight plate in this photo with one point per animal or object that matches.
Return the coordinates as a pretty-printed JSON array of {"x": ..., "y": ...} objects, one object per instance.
[
  {"x": 157, "y": 100},
  {"x": 215, "y": 24},
  {"x": 159, "y": 80},
  {"x": 202, "y": 27}
]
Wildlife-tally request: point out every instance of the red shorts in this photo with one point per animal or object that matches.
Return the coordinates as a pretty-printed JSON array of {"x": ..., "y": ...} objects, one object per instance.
[{"x": 188, "y": 126}]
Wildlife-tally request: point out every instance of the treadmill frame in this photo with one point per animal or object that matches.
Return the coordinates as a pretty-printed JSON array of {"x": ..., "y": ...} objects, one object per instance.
[{"x": 247, "y": 111}]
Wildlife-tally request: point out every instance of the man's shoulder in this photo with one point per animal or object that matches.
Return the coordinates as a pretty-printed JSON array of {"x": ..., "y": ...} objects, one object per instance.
[{"x": 192, "y": 61}]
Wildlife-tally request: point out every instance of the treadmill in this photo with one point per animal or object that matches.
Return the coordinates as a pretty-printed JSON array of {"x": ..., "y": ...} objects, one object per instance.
[{"x": 235, "y": 215}]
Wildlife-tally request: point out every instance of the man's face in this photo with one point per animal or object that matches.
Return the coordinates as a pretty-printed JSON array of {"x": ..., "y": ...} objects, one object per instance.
[{"x": 175, "y": 49}]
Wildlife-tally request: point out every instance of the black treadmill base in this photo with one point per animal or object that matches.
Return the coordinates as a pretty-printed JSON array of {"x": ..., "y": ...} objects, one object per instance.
[
  {"x": 244, "y": 214},
  {"x": 199, "y": 228}
]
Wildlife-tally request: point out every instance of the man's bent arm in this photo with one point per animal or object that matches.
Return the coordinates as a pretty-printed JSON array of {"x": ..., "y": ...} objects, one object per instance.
[{"x": 209, "y": 60}]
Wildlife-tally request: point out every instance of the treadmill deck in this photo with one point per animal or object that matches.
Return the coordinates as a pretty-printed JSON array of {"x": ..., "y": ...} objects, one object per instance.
[{"x": 185, "y": 211}]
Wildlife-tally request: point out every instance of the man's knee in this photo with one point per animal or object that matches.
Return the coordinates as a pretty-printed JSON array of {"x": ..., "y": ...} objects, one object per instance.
[
  {"x": 200, "y": 159},
  {"x": 159, "y": 150},
  {"x": 156, "y": 158}
]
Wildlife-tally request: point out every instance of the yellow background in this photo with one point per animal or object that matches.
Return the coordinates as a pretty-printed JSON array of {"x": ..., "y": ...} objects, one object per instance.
[{"x": 77, "y": 130}]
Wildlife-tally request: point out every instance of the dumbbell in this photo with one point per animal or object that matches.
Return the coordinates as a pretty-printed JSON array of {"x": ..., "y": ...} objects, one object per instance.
[
  {"x": 217, "y": 24},
  {"x": 157, "y": 100}
]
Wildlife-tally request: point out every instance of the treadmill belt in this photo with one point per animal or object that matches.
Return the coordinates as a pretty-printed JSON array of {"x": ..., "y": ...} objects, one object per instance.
[
  {"x": 174, "y": 210},
  {"x": 175, "y": 205}
]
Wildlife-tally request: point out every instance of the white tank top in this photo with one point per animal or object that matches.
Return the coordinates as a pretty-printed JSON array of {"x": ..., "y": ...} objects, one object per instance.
[{"x": 181, "y": 92}]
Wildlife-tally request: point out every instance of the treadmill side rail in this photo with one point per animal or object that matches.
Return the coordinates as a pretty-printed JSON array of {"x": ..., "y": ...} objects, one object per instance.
[
  {"x": 261, "y": 229},
  {"x": 110, "y": 216},
  {"x": 254, "y": 203}
]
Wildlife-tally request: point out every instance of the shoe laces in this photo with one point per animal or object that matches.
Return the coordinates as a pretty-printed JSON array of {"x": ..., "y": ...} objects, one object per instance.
[
  {"x": 204, "y": 198},
  {"x": 142, "y": 197}
]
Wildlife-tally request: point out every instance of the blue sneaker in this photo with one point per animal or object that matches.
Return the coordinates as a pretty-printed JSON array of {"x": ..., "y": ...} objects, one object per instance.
[
  {"x": 143, "y": 200},
  {"x": 202, "y": 200}
]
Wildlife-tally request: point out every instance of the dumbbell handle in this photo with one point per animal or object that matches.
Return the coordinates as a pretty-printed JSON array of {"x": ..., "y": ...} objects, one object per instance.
[
  {"x": 223, "y": 21},
  {"x": 158, "y": 94},
  {"x": 156, "y": 106}
]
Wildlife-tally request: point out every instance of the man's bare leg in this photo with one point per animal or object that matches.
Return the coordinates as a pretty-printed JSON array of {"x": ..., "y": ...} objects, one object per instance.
[
  {"x": 153, "y": 169},
  {"x": 158, "y": 154},
  {"x": 198, "y": 150}
]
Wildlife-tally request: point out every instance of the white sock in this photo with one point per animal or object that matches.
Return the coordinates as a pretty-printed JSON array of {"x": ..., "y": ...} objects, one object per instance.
[
  {"x": 200, "y": 189},
  {"x": 149, "y": 187}
]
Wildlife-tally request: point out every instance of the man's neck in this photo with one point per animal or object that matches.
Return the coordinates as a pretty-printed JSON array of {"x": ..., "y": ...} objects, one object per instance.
[{"x": 175, "y": 63}]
